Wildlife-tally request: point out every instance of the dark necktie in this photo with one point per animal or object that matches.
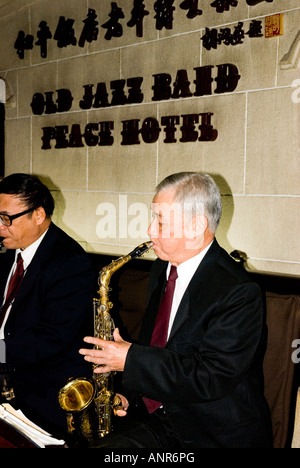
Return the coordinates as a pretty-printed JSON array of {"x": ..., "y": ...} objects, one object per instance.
[
  {"x": 13, "y": 287},
  {"x": 160, "y": 331}
]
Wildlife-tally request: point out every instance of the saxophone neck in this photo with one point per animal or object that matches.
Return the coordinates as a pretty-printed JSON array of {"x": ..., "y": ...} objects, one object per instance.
[{"x": 107, "y": 271}]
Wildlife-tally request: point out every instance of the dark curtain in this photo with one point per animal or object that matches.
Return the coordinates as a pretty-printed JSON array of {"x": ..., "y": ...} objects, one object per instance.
[{"x": 2, "y": 119}]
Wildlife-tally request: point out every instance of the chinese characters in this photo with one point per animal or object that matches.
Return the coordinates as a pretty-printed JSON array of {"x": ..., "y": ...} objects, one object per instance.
[
  {"x": 212, "y": 37},
  {"x": 162, "y": 13}
]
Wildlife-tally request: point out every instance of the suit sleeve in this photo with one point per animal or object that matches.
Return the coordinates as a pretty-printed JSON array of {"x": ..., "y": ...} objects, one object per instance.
[
  {"x": 61, "y": 307},
  {"x": 207, "y": 361}
]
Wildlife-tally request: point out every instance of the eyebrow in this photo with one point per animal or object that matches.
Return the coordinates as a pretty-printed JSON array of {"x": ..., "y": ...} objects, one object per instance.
[{"x": 156, "y": 214}]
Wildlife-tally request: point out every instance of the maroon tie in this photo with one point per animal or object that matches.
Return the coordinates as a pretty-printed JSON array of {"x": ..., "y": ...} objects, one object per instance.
[
  {"x": 160, "y": 331},
  {"x": 13, "y": 287}
]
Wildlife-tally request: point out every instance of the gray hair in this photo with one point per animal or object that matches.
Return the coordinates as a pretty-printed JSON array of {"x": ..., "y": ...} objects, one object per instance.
[{"x": 194, "y": 190}]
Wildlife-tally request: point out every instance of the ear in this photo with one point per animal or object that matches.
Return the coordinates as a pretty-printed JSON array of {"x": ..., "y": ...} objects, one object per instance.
[
  {"x": 200, "y": 224},
  {"x": 40, "y": 215}
]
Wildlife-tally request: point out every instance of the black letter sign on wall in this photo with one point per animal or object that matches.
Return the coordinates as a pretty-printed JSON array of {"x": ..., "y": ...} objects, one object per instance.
[{"x": 64, "y": 34}]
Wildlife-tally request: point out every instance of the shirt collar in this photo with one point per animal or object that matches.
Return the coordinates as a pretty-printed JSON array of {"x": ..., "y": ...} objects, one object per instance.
[
  {"x": 29, "y": 252},
  {"x": 187, "y": 269}
]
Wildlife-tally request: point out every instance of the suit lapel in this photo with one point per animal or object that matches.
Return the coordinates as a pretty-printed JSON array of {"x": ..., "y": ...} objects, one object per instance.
[
  {"x": 153, "y": 306},
  {"x": 30, "y": 278},
  {"x": 196, "y": 288},
  {"x": 35, "y": 268},
  {"x": 182, "y": 314},
  {"x": 8, "y": 261}
]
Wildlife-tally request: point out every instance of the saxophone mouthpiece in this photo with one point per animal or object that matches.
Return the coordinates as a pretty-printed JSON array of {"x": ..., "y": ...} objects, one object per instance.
[
  {"x": 1, "y": 242},
  {"x": 141, "y": 249}
]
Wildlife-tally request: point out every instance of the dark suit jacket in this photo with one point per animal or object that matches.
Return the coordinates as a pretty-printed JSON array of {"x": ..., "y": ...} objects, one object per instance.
[
  {"x": 209, "y": 375},
  {"x": 48, "y": 320}
]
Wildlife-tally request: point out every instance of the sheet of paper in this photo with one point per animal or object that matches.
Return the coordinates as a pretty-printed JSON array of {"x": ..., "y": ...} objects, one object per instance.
[{"x": 17, "y": 419}]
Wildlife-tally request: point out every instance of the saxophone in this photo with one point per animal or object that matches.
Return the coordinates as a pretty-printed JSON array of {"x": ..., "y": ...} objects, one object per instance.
[{"x": 89, "y": 403}]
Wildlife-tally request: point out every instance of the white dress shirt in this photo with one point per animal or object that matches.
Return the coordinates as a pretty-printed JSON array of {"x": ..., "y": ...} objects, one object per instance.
[
  {"x": 27, "y": 255},
  {"x": 185, "y": 271}
]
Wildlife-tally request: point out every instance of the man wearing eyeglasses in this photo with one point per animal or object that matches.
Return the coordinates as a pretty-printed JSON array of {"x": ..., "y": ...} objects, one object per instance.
[{"x": 44, "y": 316}]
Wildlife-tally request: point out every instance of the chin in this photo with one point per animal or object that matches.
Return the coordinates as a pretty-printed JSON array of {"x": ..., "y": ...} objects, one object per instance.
[
  {"x": 162, "y": 256},
  {"x": 158, "y": 252},
  {"x": 8, "y": 245}
]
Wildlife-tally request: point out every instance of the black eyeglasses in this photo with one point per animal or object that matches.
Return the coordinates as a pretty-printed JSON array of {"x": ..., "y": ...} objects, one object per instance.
[{"x": 7, "y": 220}]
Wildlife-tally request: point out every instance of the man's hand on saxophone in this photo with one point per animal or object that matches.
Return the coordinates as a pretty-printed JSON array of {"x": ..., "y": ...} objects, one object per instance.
[{"x": 111, "y": 355}]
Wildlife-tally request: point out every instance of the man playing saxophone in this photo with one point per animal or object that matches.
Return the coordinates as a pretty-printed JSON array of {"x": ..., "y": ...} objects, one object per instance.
[{"x": 194, "y": 380}]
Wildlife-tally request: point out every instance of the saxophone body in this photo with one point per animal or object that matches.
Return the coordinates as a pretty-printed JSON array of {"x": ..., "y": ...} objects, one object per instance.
[{"x": 89, "y": 402}]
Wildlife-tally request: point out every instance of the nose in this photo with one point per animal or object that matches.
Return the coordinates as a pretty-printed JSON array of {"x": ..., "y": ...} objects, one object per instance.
[
  {"x": 152, "y": 229},
  {"x": 149, "y": 230}
]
